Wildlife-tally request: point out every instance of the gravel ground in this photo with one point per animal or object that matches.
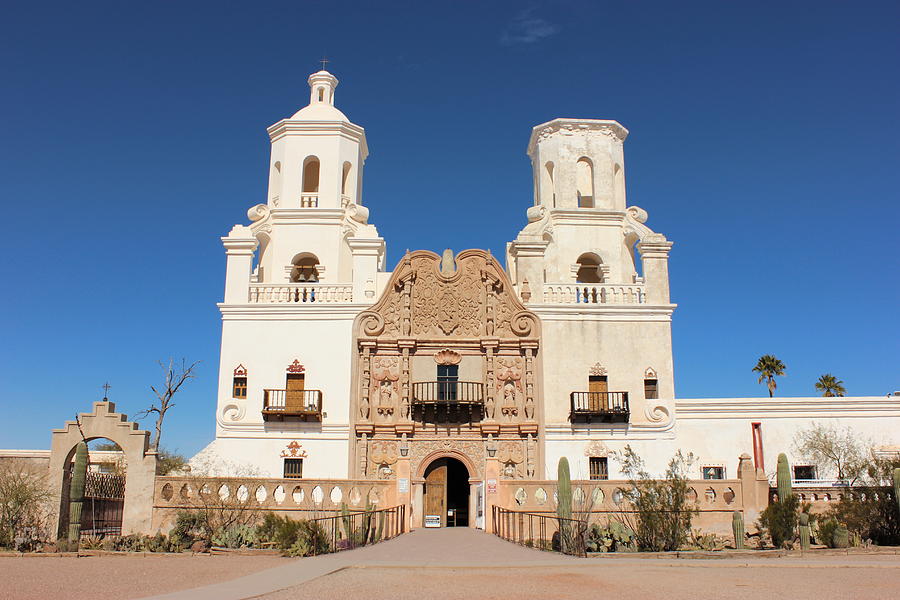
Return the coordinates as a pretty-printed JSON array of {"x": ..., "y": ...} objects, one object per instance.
[
  {"x": 695, "y": 580},
  {"x": 120, "y": 577}
]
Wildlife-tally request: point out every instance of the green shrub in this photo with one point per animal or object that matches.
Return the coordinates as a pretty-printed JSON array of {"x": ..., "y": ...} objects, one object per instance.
[
  {"x": 293, "y": 537},
  {"x": 825, "y": 532},
  {"x": 190, "y": 526},
  {"x": 613, "y": 537},
  {"x": 779, "y": 520},
  {"x": 236, "y": 536},
  {"x": 870, "y": 513}
]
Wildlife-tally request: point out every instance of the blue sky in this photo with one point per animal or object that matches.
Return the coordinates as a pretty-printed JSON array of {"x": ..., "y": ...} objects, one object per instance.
[{"x": 765, "y": 140}]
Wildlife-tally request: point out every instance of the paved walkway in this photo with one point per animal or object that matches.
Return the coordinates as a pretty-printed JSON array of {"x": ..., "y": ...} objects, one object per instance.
[
  {"x": 449, "y": 547},
  {"x": 445, "y": 553}
]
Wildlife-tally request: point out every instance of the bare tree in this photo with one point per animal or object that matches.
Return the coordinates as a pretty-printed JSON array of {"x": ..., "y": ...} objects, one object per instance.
[
  {"x": 835, "y": 451},
  {"x": 175, "y": 377}
]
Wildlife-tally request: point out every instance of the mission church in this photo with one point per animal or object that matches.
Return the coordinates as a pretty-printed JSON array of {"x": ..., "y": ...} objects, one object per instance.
[{"x": 452, "y": 372}]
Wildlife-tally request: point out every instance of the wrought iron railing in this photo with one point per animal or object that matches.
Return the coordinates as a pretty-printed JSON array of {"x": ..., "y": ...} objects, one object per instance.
[
  {"x": 306, "y": 404},
  {"x": 609, "y": 407},
  {"x": 463, "y": 392},
  {"x": 541, "y": 531},
  {"x": 355, "y": 529}
]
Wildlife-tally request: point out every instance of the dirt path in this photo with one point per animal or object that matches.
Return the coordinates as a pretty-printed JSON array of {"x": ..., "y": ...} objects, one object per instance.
[{"x": 120, "y": 577}]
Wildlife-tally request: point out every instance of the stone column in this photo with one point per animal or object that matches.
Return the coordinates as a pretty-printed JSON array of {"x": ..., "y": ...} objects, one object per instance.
[
  {"x": 654, "y": 250},
  {"x": 239, "y": 246}
]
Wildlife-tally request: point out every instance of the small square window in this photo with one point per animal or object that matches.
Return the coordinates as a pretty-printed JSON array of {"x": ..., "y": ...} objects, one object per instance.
[
  {"x": 239, "y": 389},
  {"x": 599, "y": 468},
  {"x": 804, "y": 472},
  {"x": 293, "y": 468},
  {"x": 713, "y": 472}
]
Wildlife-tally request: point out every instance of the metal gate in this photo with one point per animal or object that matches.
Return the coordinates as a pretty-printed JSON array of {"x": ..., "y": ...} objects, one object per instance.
[{"x": 104, "y": 498}]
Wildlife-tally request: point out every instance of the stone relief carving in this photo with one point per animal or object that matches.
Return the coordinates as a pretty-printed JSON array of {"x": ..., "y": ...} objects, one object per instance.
[
  {"x": 447, "y": 357},
  {"x": 649, "y": 373},
  {"x": 473, "y": 449},
  {"x": 598, "y": 370},
  {"x": 511, "y": 454},
  {"x": 258, "y": 212},
  {"x": 657, "y": 414},
  {"x": 385, "y": 375},
  {"x": 234, "y": 411},
  {"x": 596, "y": 448},
  {"x": 509, "y": 385},
  {"x": 382, "y": 456}
]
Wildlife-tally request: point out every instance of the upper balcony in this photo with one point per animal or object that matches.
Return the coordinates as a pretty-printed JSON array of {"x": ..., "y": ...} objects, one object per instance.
[
  {"x": 304, "y": 405},
  {"x": 300, "y": 293},
  {"x": 590, "y": 293},
  {"x": 448, "y": 401},
  {"x": 599, "y": 407}
]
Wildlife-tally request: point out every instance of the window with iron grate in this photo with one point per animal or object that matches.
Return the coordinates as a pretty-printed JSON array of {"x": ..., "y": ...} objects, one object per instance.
[
  {"x": 293, "y": 468},
  {"x": 599, "y": 468}
]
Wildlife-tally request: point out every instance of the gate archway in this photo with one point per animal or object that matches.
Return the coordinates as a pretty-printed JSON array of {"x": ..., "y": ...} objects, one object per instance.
[
  {"x": 446, "y": 493},
  {"x": 105, "y": 422}
]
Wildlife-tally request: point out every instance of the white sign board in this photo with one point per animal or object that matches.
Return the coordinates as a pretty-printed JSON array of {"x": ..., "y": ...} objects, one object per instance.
[
  {"x": 432, "y": 520},
  {"x": 403, "y": 485}
]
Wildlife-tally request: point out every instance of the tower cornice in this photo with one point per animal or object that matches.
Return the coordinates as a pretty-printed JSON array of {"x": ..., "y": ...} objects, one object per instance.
[{"x": 613, "y": 129}]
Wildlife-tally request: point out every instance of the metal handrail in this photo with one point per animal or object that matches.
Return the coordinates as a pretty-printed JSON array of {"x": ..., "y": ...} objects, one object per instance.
[
  {"x": 356, "y": 528},
  {"x": 544, "y": 532},
  {"x": 450, "y": 392},
  {"x": 610, "y": 406}
]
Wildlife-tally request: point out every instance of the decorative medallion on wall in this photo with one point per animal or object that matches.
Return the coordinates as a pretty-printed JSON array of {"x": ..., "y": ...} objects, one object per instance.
[
  {"x": 511, "y": 455},
  {"x": 598, "y": 370},
  {"x": 240, "y": 371},
  {"x": 383, "y": 455},
  {"x": 649, "y": 373},
  {"x": 597, "y": 449},
  {"x": 296, "y": 367},
  {"x": 447, "y": 357},
  {"x": 293, "y": 450}
]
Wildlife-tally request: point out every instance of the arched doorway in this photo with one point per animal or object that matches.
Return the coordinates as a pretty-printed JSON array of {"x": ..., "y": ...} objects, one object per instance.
[
  {"x": 104, "y": 490},
  {"x": 446, "y": 493}
]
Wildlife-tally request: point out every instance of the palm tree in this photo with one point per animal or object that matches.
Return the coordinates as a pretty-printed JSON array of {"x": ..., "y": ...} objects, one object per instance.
[
  {"x": 768, "y": 368},
  {"x": 830, "y": 386}
]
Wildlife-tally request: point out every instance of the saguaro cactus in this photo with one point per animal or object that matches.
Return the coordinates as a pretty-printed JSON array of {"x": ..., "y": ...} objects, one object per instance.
[
  {"x": 737, "y": 526},
  {"x": 784, "y": 478},
  {"x": 564, "y": 504},
  {"x": 897, "y": 487},
  {"x": 841, "y": 537},
  {"x": 804, "y": 531},
  {"x": 76, "y": 494}
]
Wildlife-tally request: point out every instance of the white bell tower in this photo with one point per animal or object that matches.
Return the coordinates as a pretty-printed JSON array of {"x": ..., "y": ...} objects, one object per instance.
[{"x": 313, "y": 229}]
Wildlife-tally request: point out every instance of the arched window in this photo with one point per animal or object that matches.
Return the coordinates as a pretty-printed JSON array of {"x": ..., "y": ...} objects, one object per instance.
[
  {"x": 263, "y": 239},
  {"x": 548, "y": 193},
  {"x": 589, "y": 269},
  {"x": 321, "y": 94},
  {"x": 311, "y": 175},
  {"x": 304, "y": 268},
  {"x": 584, "y": 183}
]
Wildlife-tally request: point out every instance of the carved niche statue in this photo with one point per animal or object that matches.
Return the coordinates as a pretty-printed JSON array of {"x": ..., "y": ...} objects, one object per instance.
[
  {"x": 385, "y": 374},
  {"x": 509, "y": 385}
]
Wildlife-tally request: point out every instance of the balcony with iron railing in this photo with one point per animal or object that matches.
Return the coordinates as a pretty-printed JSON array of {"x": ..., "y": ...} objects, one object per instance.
[
  {"x": 448, "y": 400},
  {"x": 305, "y": 405},
  {"x": 599, "y": 407}
]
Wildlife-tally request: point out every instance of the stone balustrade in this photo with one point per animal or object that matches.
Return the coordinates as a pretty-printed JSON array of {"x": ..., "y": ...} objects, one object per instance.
[
  {"x": 300, "y": 293},
  {"x": 581, "y": 293},
  {"x": 309, "y": 497}
]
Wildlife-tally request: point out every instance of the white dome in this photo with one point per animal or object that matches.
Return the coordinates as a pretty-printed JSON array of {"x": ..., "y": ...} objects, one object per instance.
[{"x": 319, "y": 112}]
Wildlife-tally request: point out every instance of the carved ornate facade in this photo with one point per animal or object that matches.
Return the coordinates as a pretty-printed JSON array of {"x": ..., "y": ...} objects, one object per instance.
[{"x": 435, "y": 311}]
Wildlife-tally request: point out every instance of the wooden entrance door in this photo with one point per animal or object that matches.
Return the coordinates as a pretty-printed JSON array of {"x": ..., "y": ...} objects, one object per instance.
[
  {"x": 436, "y": 492},
  {"x": 598, "y": 398},
  {"x": 293, "y": 397}
]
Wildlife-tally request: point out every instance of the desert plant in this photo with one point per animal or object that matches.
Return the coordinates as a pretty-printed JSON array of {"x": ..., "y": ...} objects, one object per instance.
[
  {"x": 841, "y": 538},
  {"x": 804, "y": 531},
  {"x": 737, "y": 528},
  {"x": 779, "y": 520},
  {"x": 380, "y": 531},
  {"x": 236, "y": 536},
  {"x": 663, "y": 512},
  {"x": 835, "y": 451},
  {"x": 189, "y": 527},
  {"x": 896, "y": 478},
  {"x": 24, "y": 506},
  {"x": 825, "y": 532},
  {"x": 614, "y": 537},
  {"x": 784, "y": 477},
  {"x": 564, "y": 505},
  {"x": 76, "y": 494}
]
